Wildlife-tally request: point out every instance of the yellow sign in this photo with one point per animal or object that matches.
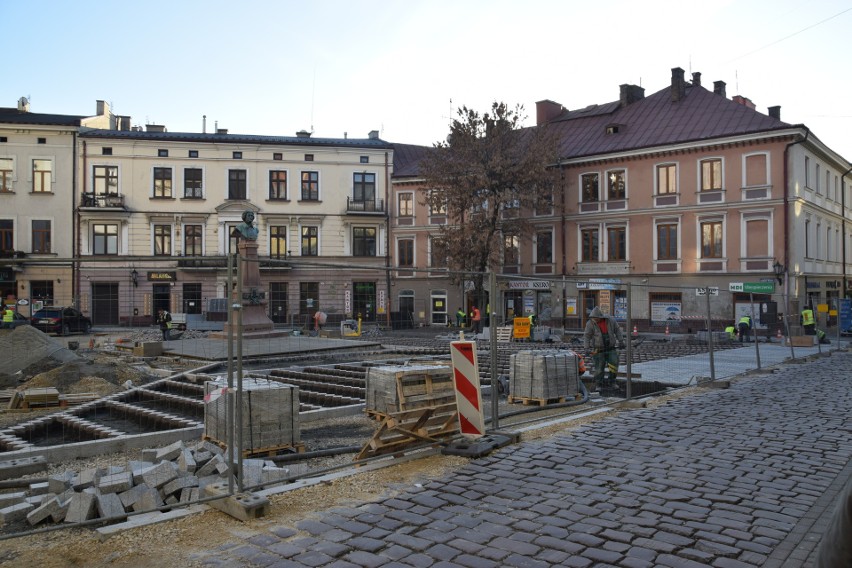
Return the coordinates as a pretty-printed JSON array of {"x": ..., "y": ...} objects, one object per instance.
[
  {"x": 822, "y": 308},
  {"x": 522, "y": 328}
]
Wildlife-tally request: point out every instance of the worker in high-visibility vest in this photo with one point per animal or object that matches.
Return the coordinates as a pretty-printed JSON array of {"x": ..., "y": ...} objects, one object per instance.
[
  {"x": 744, "y": 328},
  {"x": 8, "y": 317},
  {"x": 808, "y": 321},
  {"x": 731, "y": 330}
]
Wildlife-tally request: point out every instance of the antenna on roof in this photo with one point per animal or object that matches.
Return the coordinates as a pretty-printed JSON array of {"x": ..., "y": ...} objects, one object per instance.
[
  {"x": 313, "y": 96},
  {"x": 737, "y": 80}
]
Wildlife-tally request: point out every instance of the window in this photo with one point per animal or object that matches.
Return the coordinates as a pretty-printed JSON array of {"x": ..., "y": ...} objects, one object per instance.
[
  {"x": 310, "y": 186},
  {"x": 192, "y": 183},
  {"x": 589, "y": 245},
  {"x": 104, "y": 239},
  {"x": 308, "y": 298},
  {"x": 544, "y": 247},
  {"x": 193, "y": 153},
  {"x": 711, "y": 175},
  {"x": 310, "y": 241},
  {"x": 192, "y": 240},
  {"x": 807, "y": 171},
  {"x": 666, "y": 179},
  {"x": 6, "y": 169},
  {"x": 616, "y": 242},
  {"x": 41, "y": 237},
  {"x": 105, "y": 179},
  {"x": 162, "y": 182},
  {"x": 363, "y": 241},
  {"x": 278, "y": 184},
  {"x": 816, "y": 179},
  {"x": 42, "y": 140},
  {"x": 162, "y": 240},
  {"x": 309, "y": 157},
  {"x": 278, "y": 156},
  {"x": 238, "y": 155},
  {"x": 808, "y": 238},
  {"x": 106, "y": 151},
  {"x": 42, "y": 290},
  {"x": 589, "y": 188},
  {"x": 365, "y": 159},
  {"x": 405, "y": 253},
  {"x": 756, "y": 171},
  {"x": 616, "y": 185},
  {"x": 364, "y": 187},
  {"x": 437, "y": 206},
  {"x": 511, "y": 250},
  {"x": 42, "y": 170},
  {"x": 544, "y": 205},
  {"x": 711, "y": 239},
  {"x": 237, "y": 184},
  {"x": 828, "y": 184},
  {"x": 163, "y": 153},
  {"x": 277, "y": 242},
  {"x": 406, "y": 204},
  {"x": 437, "y": 252},
  {"x": 7, "y": 235},
  {"x": 667, "y": 242}
]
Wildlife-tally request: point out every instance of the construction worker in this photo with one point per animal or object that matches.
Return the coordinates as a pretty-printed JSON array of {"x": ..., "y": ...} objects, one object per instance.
[
  {"x": 808, "y": 321},
  {"x": 602, "y": 337},
  {"x": 164, "y": 318},
  {"x": 731, "y": 330},
  {"x": 476, "y": 319},
  {"x": 821, "y": 337},
  {"x": 8, "y": 317},
  {"x": 744, "y": 328},
  {"x": 460, "y": 317}
]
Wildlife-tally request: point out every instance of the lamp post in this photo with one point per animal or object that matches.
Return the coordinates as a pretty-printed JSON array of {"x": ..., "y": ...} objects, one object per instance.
[
  {"x": 134, "y": 278},
  {"x": 779, "y": 271}
]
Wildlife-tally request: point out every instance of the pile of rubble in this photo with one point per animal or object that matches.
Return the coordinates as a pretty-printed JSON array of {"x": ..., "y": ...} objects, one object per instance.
[{"x": 174, "y": 475}]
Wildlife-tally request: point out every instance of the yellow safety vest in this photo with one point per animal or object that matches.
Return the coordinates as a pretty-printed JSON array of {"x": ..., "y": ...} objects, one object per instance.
[
  {"x": 8, "y": 316},
  {"x": 807, "y": 317}
]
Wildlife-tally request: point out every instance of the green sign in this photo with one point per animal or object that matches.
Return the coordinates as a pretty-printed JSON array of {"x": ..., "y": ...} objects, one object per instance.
[{"x": 753, "y": 287}]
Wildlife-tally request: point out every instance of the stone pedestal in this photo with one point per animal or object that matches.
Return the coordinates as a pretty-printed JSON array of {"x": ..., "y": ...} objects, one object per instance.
[{"x": 254, "y": 298}]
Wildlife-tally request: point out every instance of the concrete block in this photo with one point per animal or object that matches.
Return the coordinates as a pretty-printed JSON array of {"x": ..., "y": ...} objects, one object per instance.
[
  {"x": 116, "y": 483},
  {"x": 145, "y": 519},
  {"x": 170, "y": 452},
  {"x": 243, "y": 506},
  {"x": 8, "y": 499},
  {"x": 109, "y": 506},
  {"x": 41, "y": 488},
  {"x": 60, "y": 482},
  {"x": 129, "y": 497},
  {"x": 211, "y": 466},
  {"x": 148, "y": 349},
  {"x": 81, "y": 508},
  {"x": 139, "y": 469},
  {"x": 59, "y": 515},
  {"x": 171, "y": 500},
  {"x": 186, "y": 461},
  {"x": 189, "y": 494},
  {"x": 148, "y": 500},
  {"x": 179, "y": 484},
  {"x": 14, "y": 513},
  {"x": 48, "y": 509},
  {"x": 160, "y": 474},
  {"x": 202, "y": 457},
  {"x": 274, "y": 474},
  {"x": 22, "y": 466},
  {"x": 86, "y": 478},
  {"x": 211, "y": 447},
  {"x": 149, "y": 454}
]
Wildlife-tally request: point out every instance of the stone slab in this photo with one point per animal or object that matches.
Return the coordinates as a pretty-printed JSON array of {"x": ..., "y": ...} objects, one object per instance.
[
  {"x": 22, "y": 466},
  {"x": 243, "y": 506},
  {"x": 145, "y": 519},
  {"x": 15, "y": 513},
  {"x": 109, "y": 506},
  {"x": 81, "y": 508}
]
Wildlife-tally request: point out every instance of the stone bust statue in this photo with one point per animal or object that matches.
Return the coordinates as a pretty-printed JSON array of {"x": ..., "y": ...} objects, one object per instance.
[{"x": 247, "y": 229}]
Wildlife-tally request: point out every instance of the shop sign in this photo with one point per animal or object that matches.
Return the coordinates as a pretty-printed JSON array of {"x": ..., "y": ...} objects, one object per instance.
[
  {"x": 599, "y": 284},
  {"x": 162, "y": 277},
  {"x": 521, "y": 328},
  {"x": 529, "y": 285},
  {"x": 814, "y": 285},
  {"x": 752, "y": 287}
]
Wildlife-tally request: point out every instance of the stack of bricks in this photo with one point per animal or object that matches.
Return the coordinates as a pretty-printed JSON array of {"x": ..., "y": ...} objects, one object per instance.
[
  {"x": 544, "y": 374},
  {"x": 383, "y": 383},
  {"x": 174, "y": 475}
]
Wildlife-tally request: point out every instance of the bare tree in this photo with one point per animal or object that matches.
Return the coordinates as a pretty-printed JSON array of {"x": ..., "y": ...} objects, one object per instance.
[{"x": 489, "y": 177}]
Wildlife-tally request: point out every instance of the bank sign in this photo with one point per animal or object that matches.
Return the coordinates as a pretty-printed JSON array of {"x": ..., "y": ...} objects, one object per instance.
[{"x": 752, "y": 287}]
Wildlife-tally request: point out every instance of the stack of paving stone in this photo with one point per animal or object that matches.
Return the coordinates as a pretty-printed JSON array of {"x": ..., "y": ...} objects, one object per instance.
[
  {"x": 174, "y": 475},
  {"x": 270, "y": 414},
  {"x": 382, "y": 391},
  {"x": 543, "y": 374}
]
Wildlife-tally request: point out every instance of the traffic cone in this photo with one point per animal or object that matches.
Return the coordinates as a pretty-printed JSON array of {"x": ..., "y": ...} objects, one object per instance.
[{"x": 635, "y": 330}]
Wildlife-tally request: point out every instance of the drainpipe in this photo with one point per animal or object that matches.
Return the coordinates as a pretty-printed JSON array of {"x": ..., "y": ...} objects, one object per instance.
[
  {"x": 787, "y": 217},
  {"x": 76, "y": 279},
  {"x": 564, "y": 238},
  {"x": 387, "y": 241},
  {"x": 843, "y": 226}
]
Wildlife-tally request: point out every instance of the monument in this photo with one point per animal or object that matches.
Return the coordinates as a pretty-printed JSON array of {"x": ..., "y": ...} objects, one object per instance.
[{"x": 255, "y": 322}]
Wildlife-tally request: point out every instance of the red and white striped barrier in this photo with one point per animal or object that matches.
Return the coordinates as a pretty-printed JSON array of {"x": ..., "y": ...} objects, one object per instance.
[{"x": 466, "y": 382}]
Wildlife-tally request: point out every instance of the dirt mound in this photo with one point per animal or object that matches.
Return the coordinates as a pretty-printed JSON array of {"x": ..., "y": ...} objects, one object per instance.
[
  {"x": 84, "y": 376},
  {"x": 26, "y": 352}
]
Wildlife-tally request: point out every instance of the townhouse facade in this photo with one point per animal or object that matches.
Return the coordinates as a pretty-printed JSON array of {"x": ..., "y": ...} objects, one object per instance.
[{"x": 682, "y": 189}]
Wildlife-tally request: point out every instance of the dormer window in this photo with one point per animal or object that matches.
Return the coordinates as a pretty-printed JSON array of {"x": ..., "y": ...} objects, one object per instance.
[{"x": 612, "y": 129}]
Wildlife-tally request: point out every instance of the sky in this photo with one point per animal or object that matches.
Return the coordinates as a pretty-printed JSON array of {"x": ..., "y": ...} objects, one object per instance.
[{"x": 404, "y": 67}]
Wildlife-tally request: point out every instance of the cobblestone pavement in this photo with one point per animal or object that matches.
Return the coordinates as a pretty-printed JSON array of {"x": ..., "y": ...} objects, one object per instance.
[{"x": 737, "y": 477}]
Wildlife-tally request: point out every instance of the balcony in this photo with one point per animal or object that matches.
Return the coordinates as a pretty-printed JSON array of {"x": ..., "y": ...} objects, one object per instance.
[
  {"x": 367, "y": 206},
  {"x": 102, "y": 200}
]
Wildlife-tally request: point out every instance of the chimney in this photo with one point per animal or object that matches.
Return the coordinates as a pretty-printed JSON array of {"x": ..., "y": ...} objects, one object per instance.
[
  {"x": 122, "y": 123},
  {"x": 373, "y": 135},
  {"x": 547, "y": 110},
  {"x": 719, "y": 88},
  {"x": 23, "y": 104},
  {"x": 745, "y": 101},
  {"x": 155, "y": 128},
  {"x": 629, "y": 94},
  {"x": 221, "y": 131},
  {"x": 696, "y": 79},
  {"x": 678, "y": 84},
  {"x": 102, "y": 108},
  {"x": 775, "y": 112},
  {"x": 303, "y": 134},
  {"x": 204, "y": 124}
]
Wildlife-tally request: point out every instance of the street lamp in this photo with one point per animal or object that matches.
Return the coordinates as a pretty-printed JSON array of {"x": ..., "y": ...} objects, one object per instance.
[
  {"x": 779, "y": 271},
  {"x": 134, "y": 277}
]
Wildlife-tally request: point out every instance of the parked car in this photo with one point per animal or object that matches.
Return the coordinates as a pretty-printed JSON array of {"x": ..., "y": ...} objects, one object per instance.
[{"x": 61, "y": 321}]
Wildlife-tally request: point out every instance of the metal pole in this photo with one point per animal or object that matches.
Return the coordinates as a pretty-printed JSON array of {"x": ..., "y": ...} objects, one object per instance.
[
  {"x": 229, "y": 398},
  {"x": 239, "y": 330},
  {"x": 787, "y": 322},
  {"x": 492, "y": 340},
  {"x": 754, "y": 330},
  {"x": 710, "y": 338},
  {"x": 629, "y": 386}
]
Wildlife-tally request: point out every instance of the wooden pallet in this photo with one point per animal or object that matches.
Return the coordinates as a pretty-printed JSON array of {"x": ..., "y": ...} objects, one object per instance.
[
  {"x": 269, "y": 451},
  {"x": 527, "y": 400}
]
